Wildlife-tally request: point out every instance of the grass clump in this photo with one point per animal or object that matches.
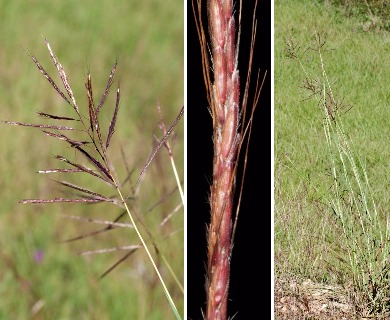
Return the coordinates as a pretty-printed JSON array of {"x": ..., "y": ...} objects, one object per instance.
[
  {"x": 365, "y": 248},
  {"x": 309, "y": 240}
]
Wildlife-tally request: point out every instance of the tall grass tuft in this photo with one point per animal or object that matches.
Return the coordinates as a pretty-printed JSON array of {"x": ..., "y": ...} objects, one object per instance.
[
  {"x": 365, "y": 241},
  {"x": 91, "y": 141}
]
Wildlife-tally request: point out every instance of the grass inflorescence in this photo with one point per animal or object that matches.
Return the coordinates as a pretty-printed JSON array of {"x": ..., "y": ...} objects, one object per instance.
[
  {"x": 232, "y": 126},
  {"x": 91, "y": 141}
]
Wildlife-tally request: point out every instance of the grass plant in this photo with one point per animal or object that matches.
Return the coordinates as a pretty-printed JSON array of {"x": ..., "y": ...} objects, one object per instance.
[
  {"x": 331, "y": 203},
  {"x": 366, "y": 233}
]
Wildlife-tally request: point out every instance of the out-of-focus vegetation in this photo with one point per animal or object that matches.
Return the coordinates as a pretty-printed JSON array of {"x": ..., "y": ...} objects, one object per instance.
[{"x": 372, "y": 14}]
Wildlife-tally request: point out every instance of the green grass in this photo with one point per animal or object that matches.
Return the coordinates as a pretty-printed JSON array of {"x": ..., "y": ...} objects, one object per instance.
[
  {"x": 307, "y": 238},
  {"x": 372, "y": 15},
  {"x": 147, "y": 40}
]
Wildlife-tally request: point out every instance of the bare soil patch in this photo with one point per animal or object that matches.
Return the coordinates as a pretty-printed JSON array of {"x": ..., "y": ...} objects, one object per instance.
[{"x": 304, "y": 299}]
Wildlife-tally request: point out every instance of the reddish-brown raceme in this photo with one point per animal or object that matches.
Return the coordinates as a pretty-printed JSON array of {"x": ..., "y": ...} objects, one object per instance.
[{"x": 225, "y": 101}]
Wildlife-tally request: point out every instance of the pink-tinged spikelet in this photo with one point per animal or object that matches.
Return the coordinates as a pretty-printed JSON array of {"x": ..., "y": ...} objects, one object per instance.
[
  {"x": 220, "y": 78},
  {"x": 217, "y": 23},
  {"x": 229, "y": 132},
  {"x": 227, "y": 8},
  {"x": 231, "y": 46}
]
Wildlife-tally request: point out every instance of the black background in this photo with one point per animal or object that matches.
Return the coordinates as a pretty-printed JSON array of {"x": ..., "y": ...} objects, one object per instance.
[{"x": 250, "y": 284}]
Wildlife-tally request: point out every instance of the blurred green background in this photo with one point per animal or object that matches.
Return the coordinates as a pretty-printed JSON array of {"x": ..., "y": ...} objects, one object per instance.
[{"x": 147, "y": 39}]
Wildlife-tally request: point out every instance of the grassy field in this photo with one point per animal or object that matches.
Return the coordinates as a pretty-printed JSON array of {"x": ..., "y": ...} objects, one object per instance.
[
  {"x": 308, "y": 243},
  {"x": 40, "y": 276}
]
